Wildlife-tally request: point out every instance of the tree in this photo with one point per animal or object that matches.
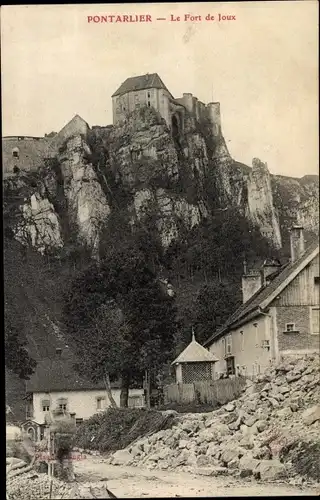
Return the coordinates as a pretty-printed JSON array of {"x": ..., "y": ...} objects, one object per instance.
[
  {"x": 215, "y": 303},
  {"x": 119, "y": 318}
]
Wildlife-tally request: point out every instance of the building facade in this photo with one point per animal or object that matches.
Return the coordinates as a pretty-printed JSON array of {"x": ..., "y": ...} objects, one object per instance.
[
  {"x": 55, "y": 384},
  {"x": 82, "y": 404},
  {"x": 279, "y": 315}
]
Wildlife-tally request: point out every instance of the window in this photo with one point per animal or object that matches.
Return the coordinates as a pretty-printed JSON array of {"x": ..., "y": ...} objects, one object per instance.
[
  {"x": 242, "y": 340},
  {"x": 229, "y": 344},
  {"x": 45, "y": 403},
  {"x": 256, "y": 333},
  {"x": 315, "y": 319},
  {"x": 290, "y": 327},
  {"x": 317, "y": 280},
  {"x": 15, "y": 153},
  {"x": 79, "y": 421},
  {"x": 100, "y": 403},
  {"x": 149, "y": 95},
  {"x": 62, "y": 403},
  {"x": 223, "y": 342},
  {"x": 148, "y": 104},
  {"x": 231, "y": 366}
]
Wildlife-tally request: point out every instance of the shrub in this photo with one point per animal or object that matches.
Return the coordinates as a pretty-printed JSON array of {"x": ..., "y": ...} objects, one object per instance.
[{"x": 118, "y": 427}]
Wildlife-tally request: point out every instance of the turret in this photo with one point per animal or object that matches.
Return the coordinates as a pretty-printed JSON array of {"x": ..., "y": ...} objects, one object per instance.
[
  {"x": 213, "y": 109},
  {"x": 188, "y": 102}
]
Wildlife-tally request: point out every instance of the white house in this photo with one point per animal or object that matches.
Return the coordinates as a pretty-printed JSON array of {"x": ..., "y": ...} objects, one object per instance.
[{"x": 56, "y": 384}]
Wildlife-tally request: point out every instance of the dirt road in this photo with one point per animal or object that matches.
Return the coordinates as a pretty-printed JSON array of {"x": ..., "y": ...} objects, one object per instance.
[{"x": 133, "y": 482}]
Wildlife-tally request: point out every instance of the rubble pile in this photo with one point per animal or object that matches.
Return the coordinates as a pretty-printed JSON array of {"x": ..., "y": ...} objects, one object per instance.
[
  {"x": 30, "y": 486},
  {"x": 251, "y": 436}
]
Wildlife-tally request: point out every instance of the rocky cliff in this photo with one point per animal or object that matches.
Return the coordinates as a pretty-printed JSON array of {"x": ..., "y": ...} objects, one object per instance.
[{"x": 141, "y": 168}]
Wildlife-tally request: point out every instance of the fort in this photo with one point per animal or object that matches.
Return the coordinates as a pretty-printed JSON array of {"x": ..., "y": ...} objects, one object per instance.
[
  {"x": 27, "y": 153},
  {"x": 149, "y": 90}
]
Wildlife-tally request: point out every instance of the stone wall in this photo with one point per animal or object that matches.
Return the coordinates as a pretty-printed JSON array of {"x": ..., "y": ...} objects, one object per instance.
[{"x": 301, "y": 338}]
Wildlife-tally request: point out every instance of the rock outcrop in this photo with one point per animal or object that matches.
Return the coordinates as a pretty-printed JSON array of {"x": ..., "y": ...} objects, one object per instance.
[
  {"x": 83, "y": 172},
  {"x": 251, "y": 436}
]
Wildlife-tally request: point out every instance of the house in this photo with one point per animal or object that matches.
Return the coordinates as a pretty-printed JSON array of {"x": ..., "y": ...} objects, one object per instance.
[
  {"x": 194, "y": 364},
  {"x": 279, "y": 314},
  {"x": 56, "y": 384}
]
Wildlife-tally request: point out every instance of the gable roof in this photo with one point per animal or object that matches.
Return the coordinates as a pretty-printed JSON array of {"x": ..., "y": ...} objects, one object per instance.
[
  {"x": 266, "y": 294},
  {"x": 194, "y": 353},
  {"x": 141, "y": 82},
  {"x": 58, "y": 374}
]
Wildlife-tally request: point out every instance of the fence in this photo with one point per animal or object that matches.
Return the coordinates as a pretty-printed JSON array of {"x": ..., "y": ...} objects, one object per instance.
[
  {"x": 206, "y": 392},
  {"x": 136, "y": 401}
]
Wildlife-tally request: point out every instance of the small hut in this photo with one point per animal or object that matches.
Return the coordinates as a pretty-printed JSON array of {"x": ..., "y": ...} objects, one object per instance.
[{"x": 194, "y": 364}]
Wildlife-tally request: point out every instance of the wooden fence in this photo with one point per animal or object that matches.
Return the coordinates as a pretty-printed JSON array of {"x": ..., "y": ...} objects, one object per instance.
[{"x": 206, "y": 392}]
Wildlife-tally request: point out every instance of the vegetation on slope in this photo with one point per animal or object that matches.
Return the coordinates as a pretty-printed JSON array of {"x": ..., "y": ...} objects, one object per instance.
[{"x": 117, "y": 428}]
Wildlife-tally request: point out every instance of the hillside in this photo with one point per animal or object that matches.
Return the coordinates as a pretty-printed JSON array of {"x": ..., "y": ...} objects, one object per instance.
[{"x": 182, "y": 198}]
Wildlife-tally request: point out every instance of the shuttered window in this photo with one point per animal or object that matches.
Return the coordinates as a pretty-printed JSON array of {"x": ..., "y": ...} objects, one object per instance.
[{"x": 45, "y": 403}]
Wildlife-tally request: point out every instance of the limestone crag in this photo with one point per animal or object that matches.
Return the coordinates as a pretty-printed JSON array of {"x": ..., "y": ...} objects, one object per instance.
[
  {"x": 297, "y": 200},
  {"x": 170, "y": 212},
  {"x": 87, "y": 207},
  {"x": 250, "y": 436},
  {"x": 261, "y": 208},
  {"x": 40, "y": 226},
  {"x": 79, "y": 175}
]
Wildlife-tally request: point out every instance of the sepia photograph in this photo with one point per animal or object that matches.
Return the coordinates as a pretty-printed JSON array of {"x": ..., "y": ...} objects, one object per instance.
[{"x": 160, "y": 166}]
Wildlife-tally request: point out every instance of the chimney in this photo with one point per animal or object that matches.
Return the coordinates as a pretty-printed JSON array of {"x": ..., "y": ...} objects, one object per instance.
[
  {"x": 296, "y": 242},
  {"x": 251, "y": 283},
  {"x": 269, "y": 267},
  {"x": 58, "y": 352}
]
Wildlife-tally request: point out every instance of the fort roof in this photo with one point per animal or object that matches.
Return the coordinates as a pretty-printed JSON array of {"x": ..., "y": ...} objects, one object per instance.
[{"x": 141, "y": 82}]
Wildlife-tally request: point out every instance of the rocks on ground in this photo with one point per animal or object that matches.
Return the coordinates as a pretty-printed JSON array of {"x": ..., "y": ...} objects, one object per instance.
[
  {"x": 31, "y": 486},
  {"x": 246, "y": 436}
]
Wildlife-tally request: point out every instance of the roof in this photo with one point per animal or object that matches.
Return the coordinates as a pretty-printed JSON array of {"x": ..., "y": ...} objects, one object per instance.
[
  {"x": 141, "y": 82},
  {"x": 266, "y": 294},
  {"x": 195, "y": 353},
  {"x": 58, "y": 374}
]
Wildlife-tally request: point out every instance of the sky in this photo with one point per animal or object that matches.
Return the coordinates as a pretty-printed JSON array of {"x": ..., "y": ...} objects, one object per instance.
[{"x": 261, "y": 66}]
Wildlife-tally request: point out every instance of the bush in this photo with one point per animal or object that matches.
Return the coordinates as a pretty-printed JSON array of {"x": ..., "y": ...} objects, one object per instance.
[
  {"x": 305, "y": 458},
  {"x": 117, "y": 428}
]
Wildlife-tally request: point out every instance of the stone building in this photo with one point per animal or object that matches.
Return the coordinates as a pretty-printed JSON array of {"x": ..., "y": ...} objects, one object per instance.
[
  {"x": 279, "y": 315},
  {"x": 149, "y": 90}
]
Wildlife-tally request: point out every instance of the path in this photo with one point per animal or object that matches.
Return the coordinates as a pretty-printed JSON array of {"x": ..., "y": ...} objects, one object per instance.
[{"x": 126, "y": 482}]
